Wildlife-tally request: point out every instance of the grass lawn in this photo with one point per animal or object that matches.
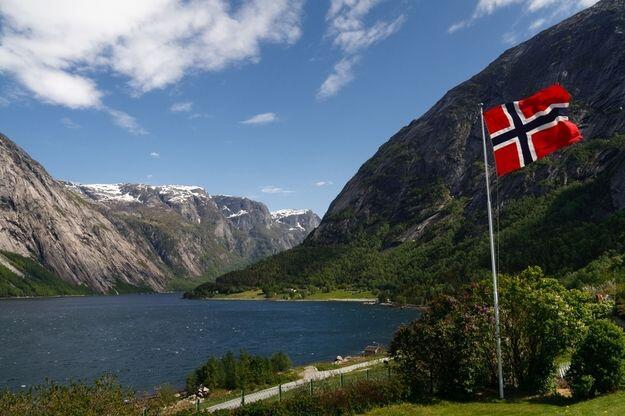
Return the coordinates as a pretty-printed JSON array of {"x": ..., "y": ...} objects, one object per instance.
[
  {"x": 255, "y": 294},
  {"x": 341, "y": 294},
  {"x": 613, "y": 404},
  {"x": 338, "y": 294}
]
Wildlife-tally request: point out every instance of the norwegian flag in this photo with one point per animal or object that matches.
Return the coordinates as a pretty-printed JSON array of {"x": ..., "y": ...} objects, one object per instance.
[{"x": 530, "y": 129}]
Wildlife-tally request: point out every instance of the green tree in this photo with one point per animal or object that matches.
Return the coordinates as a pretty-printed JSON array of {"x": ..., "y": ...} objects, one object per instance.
[
  {"x": 449, "y": 351},
  {"x": 280, "y": 362},
  {"x": 540, "y": 320},
  {"x": 229, "y": 364},
  {"x": 214, "y": 374},
  {"x": 598, "y": 364}
]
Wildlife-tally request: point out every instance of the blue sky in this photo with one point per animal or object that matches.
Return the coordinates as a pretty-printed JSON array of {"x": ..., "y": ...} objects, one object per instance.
[{"x": 277, "y": 100}]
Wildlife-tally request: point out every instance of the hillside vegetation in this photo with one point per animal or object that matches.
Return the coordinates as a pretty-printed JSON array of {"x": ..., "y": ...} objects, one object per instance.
[
  {"x": 570, "y": 229},
  {"x": 34, "y": 281}
]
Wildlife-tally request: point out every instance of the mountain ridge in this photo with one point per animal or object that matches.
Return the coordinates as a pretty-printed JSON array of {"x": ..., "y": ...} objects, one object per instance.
[{"x": 412, "y": 220}]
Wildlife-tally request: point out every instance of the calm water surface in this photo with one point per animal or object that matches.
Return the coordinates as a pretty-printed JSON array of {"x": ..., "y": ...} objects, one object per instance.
[{"x": 147, "y": 340}]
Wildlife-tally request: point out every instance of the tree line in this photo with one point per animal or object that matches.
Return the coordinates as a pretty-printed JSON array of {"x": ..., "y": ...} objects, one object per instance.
[{"x": 244, "y": 371}]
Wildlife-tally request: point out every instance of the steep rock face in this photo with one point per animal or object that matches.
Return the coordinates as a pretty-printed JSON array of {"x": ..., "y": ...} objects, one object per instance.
[
  {"x": 39, "y": 218},
  {"x": 118, "y": 236},
  {"x": 190, "y": 232},
  {"x": 265, "y": 233},
  {"x": 180, "y": 225},
  {"x": 297, "y": 220},
  {"x": 243, "y": 213},
  {"x": 437, "y": 158}
]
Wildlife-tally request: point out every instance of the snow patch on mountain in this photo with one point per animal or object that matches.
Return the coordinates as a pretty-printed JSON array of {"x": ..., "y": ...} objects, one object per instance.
[
  {"x": 283, "y": 213},
  {"x": 238, "y": 214},
  {"x": 131, "y": 193}
]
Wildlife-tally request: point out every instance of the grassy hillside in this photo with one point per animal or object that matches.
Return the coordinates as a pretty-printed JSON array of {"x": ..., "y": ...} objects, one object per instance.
[
  {"x": 569, "y": 228},
  {"x": 36, "y": 281}
]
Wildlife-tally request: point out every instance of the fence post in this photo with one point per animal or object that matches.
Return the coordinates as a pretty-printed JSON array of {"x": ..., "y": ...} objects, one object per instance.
[
  {"x": 367, "y": 374},
  {"x": 342, "y": 381},
  {"x": 197, "y": 405},
  {"x": 311, "y": 387},
  {"x": 242, "y": 397},
  {"x": 388, "y": 370},
  {"x": 280, "y": 392}
]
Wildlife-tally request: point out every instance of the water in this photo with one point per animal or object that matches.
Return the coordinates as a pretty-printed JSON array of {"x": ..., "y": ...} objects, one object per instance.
[{"x": 148, "y": 340}]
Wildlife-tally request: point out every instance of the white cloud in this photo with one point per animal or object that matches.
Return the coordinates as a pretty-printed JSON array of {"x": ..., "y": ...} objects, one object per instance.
[
  {"x": 54, "y": 51},
  {"x": 510, "y": 38},
  {"x": 270, "y": 189},
  {"x": 350, "y": 34},
  {"x": 126, "y": 121},
  {"x": 198, "y": 115},
  {"x": 347, "y": 26},
  {"x": 182, "y": 107},
  {"x": 149, "y": 176},
  {"x": 263, "y": 118},
  {"x": 323, "y": 183},
  {"x": 342, "y": 75},
  {"x": 558, "y": 8},
  {"x": 538, "y": 23},
  {"x": 69, "y": 123},
  {"x": 155, "y": 155}
]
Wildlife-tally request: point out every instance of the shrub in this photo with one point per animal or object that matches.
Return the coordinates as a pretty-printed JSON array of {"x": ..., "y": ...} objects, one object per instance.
[
  {"x": 353, "y": 399},
  {"x": 103, "y": 397},
  {"x": 598, "y": 363},
  {"x": 540, "y": 320},
  {"x": 449, "y": 351},
  {"x": 280, "y": 362}
]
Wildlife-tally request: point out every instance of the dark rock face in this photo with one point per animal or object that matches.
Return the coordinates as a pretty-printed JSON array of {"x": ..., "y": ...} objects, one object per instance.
[
  {"x": 100, "y": 235},
  {"x": 437, "y": 157}
]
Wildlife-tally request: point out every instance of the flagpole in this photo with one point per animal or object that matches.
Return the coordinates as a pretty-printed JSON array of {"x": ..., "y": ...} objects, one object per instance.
[{"x": 492, "y": 256}]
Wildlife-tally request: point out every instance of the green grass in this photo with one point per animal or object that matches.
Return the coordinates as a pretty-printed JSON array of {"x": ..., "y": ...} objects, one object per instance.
[
  {"x": 613, "y": 404},
  {"x": 247, "y": 295},
  {"x": 341, "y": 294}
]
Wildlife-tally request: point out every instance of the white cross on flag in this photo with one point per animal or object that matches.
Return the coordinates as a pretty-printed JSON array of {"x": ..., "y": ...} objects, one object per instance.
[{"x": 530, "y": 129}]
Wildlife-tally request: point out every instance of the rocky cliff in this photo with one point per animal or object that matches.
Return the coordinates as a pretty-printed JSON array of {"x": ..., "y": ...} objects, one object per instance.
[
  {"x": 436, "y": 158},
  {"x": 40, "y": 218},
  {"x": 106, "y": 237}
]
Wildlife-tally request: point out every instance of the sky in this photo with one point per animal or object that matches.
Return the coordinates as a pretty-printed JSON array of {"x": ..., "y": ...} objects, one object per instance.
[{"x": 280, "y": 101}]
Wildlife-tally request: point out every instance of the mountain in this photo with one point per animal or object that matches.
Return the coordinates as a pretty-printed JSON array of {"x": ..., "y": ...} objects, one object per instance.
[
  {"x": 412, "y": 222},
  {"x": 41, "y": 219},
  {"x": 61, "y": 237}
]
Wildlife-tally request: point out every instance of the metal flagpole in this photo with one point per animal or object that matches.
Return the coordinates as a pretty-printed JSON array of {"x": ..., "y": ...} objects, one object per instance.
[{"x": 492, "y": 256}]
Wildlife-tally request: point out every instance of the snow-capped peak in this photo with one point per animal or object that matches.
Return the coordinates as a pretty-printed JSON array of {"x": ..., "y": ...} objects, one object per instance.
[
  {"x": 283, "y": 213},
  {"x": 121, "y": 192},
  {"x": 106, "y": 192}
]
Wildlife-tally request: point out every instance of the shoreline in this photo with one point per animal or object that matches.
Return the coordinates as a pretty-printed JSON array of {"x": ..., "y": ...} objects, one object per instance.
[
  {"x": 361, "y": 300},
  {"x": 366, "y": 301}
]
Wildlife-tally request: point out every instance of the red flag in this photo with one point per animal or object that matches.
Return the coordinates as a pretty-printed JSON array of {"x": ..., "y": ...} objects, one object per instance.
[{"x": 530, "y": 129}]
